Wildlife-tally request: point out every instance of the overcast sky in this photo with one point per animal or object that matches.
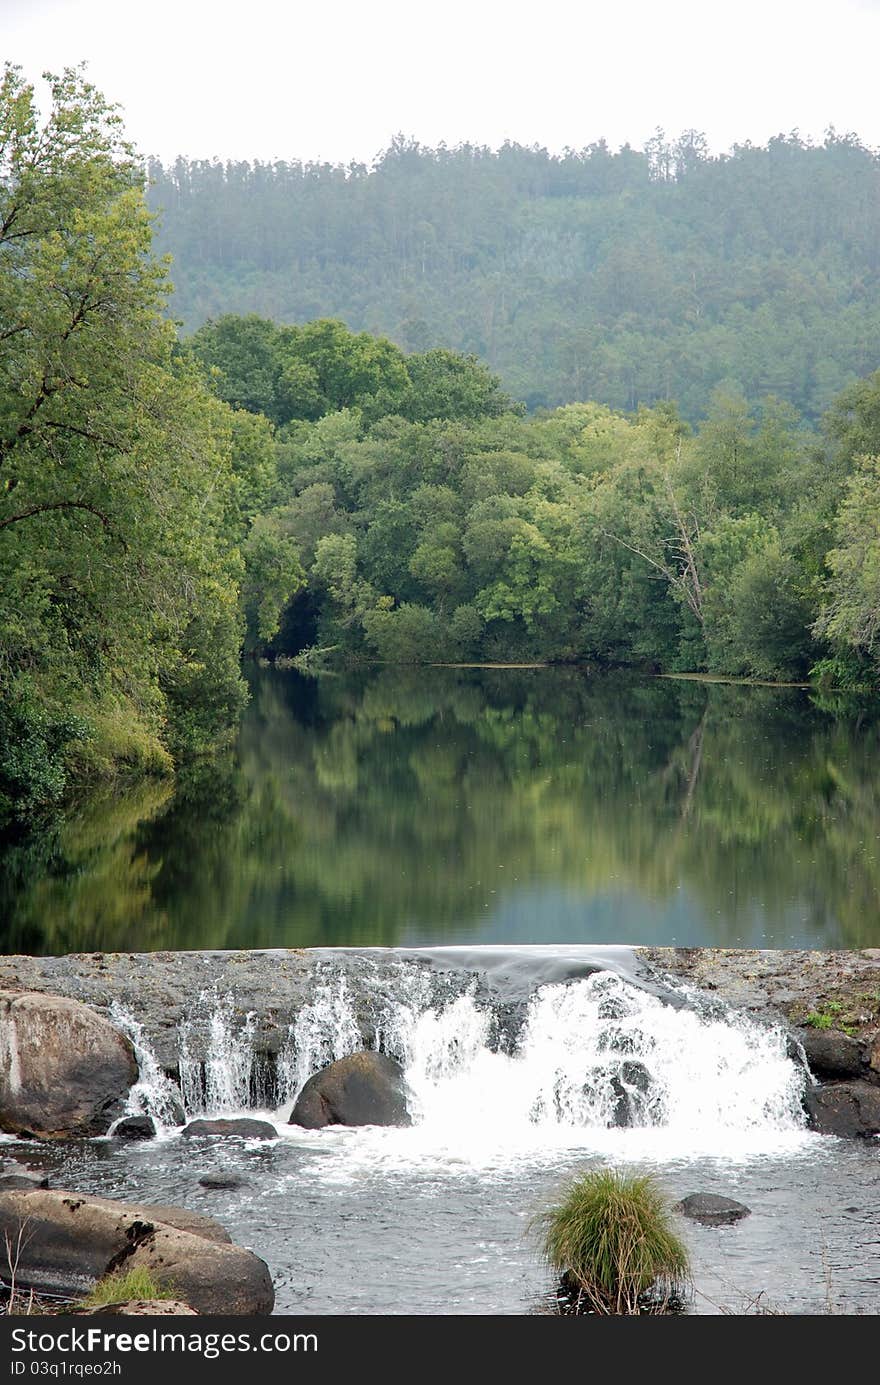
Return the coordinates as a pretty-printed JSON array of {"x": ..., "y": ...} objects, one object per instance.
[{"x": 273, "y": 79}]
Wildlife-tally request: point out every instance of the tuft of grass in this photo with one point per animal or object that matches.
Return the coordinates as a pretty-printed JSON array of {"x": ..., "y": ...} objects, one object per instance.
[
  {"x": 122, "y": 1286},
  {"x": 612, "y": 1245}
]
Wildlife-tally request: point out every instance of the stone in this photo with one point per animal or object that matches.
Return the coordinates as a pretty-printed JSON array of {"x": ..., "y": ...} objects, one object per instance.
[
  {"x": 831, "y": 1053},
  {"x": 366, "y": 1088},
  {"x": 629, "y": 1087},
  {"x": 134, "y": 1128},
  {"x": 22, "y": 1179},
  {"x": 223, "y": 1181},
  {"x": 68, "y": 1241},
  {"x": 711, "y": 1209},
  {"x": 244, "y": 1128},
  {"x": 848, "y": 1109},
  {"x": 63, "y": 1068}
]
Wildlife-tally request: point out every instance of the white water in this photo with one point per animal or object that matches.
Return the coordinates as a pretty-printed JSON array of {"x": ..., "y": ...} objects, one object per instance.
[{"x": 591, "y": 1052}]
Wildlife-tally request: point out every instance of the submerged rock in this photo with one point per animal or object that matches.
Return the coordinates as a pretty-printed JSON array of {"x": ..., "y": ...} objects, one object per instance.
[
  {"x": 711, "y": 1209},
  {"x": 366, "y": 1088},
  {"x": 245, "y": 1128},
  {"x": 74, "y": 1240},
  {"x": 849, "y": 1109},
  {"x": 222, "y": 1181},
  {"x": 63, "y": 1069}
]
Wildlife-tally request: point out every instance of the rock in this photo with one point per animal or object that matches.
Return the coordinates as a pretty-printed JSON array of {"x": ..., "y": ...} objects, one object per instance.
[
  {"x": 69, "y": 1241},
  {"x": 23, "y": 1179},
  {"x": 873, "y": 1056},
  {"x": 245, "y": 1129},
  {"x": 831, "y": 1053},
  {"x": 849, "y": 1109},
  {"x": 134, "y": 1128},
  {"x": 63, "y": 1069},
  {"x": 366, "y": 1088},
  {"x": 221, "y": 1181},
  {"x": 629, "y": 1087},
  {"x": 712, "y": 1210},
  {"x": 138, "y": 1308}
]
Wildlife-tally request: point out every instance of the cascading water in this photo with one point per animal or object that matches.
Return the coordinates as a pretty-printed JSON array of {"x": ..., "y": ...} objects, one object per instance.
[
  {"x": 219, "y": 1068},
  {"x": 154, "y": 1094},
  {"x": 522, "y": 1071},
  {"x": 597, "y": 1063}
]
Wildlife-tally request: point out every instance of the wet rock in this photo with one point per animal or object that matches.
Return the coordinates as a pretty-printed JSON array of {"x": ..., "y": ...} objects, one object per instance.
[
  {"x": 366, "y": 1088},
  {"x": 712, "y": 1210},
  {"x": 22, "y": 1179},
  {"x": 848, "y": 1109},
  {"x": 64, "y": 1070},
  {"x": 244, "y": 1128},
  {"x": 629, "y": 1087},
  {"x": 223, "y": 1181},
  {"x": 831, "y": 1053},
  {"x": 72, "y": 1240},
  {"x": 134, "y": 1128}
]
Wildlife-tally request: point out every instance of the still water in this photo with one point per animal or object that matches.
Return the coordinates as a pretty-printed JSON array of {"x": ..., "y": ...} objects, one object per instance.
[{"x": 475, "y": 806}]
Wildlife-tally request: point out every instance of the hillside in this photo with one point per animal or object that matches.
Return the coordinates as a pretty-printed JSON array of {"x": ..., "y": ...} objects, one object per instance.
[{"x": 623, "y": 277}]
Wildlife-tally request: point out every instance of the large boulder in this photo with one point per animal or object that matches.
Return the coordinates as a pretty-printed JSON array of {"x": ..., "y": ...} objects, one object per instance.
[
  {"x": 64, "y": 1242},
  {"x": 711, "y": 1209},
  {"x": 63, "y": 1069},
  {"x": 244, "y": 1128},
  {"x": 366, "y": 1088},
  {"x": 849, "y": 1109}
]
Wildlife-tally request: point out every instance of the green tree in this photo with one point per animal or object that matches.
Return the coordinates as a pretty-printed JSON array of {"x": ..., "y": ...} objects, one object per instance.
[{"x": 120, "y": 597}]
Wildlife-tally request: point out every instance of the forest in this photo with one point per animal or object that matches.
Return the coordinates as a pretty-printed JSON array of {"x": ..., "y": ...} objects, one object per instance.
[
  {"x": 626, "y": 276},
  {"x": 171, "y": 501}
]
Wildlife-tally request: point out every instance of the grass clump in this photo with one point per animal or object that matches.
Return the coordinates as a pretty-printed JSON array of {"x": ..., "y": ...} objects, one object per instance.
[
  {"x": 830, "y": 1015},
  {"x": 124, "y": 1286},
  {"x": 611, "y": 1243}
]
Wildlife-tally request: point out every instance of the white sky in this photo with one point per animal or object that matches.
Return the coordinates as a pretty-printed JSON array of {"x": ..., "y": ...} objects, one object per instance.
[{"x": 268, "y": 79}]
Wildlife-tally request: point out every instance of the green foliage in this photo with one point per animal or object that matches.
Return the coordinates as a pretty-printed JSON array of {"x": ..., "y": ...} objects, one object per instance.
[
  {"x": 126, "y": 1286},
  {"x": 630, "y": 277},
  {"x": 610, "y": 1242},
  {"x": 34, "y": 744},
  {"x": 304, "y": 372},
  {"x": 120, "y": 510},
  {"x": 851, "y": 615}
]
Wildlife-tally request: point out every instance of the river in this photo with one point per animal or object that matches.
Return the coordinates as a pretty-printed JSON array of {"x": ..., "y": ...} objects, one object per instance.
[{"x": 419, "y": 807}]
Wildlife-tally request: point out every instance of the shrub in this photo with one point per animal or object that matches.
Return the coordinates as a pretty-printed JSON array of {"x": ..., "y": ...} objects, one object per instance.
[{"x": 611, "y": 1244}]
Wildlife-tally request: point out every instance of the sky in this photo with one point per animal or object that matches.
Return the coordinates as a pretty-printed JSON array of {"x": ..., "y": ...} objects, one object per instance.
[{"x": 265, "y": 79}]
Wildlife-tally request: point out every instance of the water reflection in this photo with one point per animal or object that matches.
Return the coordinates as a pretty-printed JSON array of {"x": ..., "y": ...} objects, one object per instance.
[{"x": 532, "y": 806}]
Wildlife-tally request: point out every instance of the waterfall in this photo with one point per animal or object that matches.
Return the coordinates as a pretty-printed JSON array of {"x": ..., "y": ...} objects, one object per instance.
[
  {"x": 589, "y": 1059},
  {"x": 220, "y": 1069},
  {"x": 153, "y": 1094}
]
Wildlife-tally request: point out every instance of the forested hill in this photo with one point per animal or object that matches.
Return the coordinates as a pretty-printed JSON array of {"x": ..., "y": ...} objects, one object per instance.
[{"x": 622, "y": 277}]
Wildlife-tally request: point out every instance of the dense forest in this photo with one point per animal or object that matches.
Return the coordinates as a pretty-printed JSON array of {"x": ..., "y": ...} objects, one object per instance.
[
  {"x": 315, "y": 491},
  {"x": 626, "y": 277}
]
